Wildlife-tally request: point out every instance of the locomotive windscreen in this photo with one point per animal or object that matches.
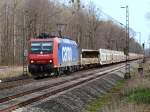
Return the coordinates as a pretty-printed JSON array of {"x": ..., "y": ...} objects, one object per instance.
[{"x": 44, "y": 47}]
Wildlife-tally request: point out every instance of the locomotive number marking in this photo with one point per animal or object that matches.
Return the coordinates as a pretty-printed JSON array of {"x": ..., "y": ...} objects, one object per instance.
[{"x": 66, "y": 54}]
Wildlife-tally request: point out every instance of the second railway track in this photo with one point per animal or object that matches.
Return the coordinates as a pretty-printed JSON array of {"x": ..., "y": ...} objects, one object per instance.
[
  {"x": 22, "y": 99},
  {"x": 9, "y": 84}
]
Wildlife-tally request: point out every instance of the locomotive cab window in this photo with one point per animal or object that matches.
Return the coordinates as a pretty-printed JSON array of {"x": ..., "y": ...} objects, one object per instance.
[{"x": 45, "y": 47}]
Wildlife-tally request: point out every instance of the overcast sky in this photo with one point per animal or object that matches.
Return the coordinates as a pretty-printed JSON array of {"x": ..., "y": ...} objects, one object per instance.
[{"x": 138, "y": 10}]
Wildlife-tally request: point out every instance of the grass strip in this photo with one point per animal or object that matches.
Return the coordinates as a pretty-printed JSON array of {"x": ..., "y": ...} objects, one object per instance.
[
  {"x": 140, "y": 96},
  {"x": 98, "y": 103}
]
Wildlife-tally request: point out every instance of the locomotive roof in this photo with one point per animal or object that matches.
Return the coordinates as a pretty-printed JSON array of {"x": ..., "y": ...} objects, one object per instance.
[
  {"x": 64, "y": 40},
  {"x": 37, "y": 39},
  {"x": 67, "y": 41}
]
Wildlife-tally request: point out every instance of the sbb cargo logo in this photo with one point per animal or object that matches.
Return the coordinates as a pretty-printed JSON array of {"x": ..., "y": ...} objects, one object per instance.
[{"x": 66, "y": 54}]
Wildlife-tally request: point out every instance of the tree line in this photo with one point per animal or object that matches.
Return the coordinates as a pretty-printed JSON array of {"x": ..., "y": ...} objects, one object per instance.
[{"x": 21, "y": 20}]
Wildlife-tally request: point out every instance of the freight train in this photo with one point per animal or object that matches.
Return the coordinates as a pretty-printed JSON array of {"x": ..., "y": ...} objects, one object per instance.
[{"x": 55, "y": 56}]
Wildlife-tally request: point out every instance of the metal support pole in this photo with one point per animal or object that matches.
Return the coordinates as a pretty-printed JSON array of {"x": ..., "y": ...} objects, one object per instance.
[
  {"x": 60, "y": 28},
  {"x": 149, "y": 50},
  {"x": 128, "y": 37},
  {"x": 78, "y": 5},
  {"x": 23, "y": 44},
  {"x": 143, "y": 52},
  {"x": 127, "y": 74},
  {"x": 78, "y": 25},
  {"x": 140, "y": 37},
  {"x": 149, "y": 47},
  {"x": 23, "y": 47}
]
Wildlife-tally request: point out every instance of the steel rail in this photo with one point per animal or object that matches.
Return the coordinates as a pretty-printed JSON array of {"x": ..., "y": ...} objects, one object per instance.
[{"x": 82, "y": 80}]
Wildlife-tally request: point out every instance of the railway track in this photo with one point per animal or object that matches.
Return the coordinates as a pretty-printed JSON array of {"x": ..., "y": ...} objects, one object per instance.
[
  {"x": 15, "y": 82},
  {"x": 22, "y": 99},
  {"x": 11, "y": 83},
  {"x": 18, "y": 82}
]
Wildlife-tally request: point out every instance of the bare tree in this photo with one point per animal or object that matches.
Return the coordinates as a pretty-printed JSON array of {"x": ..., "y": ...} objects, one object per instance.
[{"x": 21, "y": 20}]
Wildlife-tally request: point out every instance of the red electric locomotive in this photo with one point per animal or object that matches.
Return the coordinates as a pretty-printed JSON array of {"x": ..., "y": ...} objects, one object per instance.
[{"x": 52, "y": 55}]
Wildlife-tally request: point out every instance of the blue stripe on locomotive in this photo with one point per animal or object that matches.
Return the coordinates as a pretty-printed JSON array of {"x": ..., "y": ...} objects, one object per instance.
[{"x": 68, "y": 52}]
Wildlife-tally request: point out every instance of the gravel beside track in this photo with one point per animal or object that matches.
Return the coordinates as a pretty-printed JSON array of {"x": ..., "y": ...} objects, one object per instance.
[
  {"x": 75, "y": 100},
  {"x": 16, "y": 82},
  {"x": 48, "y": 81},
  {"x": 40, "y": 90},
  {"x": 46, "y": 92}
]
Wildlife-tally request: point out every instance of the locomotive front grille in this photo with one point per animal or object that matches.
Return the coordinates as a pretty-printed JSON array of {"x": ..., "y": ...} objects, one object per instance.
[{"x": 40, "y": 68}]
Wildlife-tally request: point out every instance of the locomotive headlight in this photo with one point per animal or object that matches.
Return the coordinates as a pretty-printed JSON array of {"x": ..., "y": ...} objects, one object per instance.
[
  {"x": 50, "y": 61},
  {"x": 32, "y": 61}
]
